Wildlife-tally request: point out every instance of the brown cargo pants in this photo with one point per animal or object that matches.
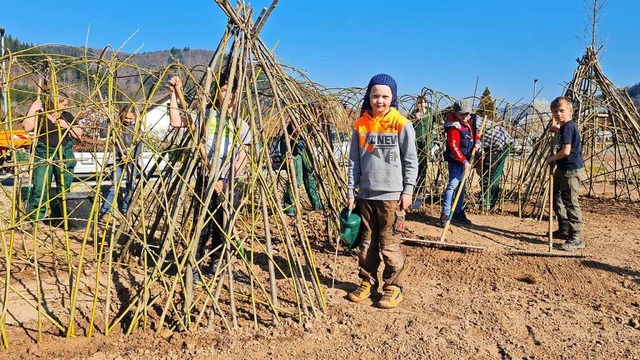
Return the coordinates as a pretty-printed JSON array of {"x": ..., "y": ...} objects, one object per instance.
[{"x": 378, "y": 217}]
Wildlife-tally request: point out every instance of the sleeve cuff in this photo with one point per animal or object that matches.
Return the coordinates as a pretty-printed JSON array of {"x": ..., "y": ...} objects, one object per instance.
[
  {"x": 408, "y": 189},
  {"x": 351, "y": 194}
]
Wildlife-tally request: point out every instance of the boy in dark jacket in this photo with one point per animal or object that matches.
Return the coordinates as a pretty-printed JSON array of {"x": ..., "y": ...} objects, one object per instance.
[{"x": 567, "y": 175}]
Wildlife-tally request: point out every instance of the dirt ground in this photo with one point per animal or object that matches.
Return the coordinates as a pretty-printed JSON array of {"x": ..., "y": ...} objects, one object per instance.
[{"x": 483, "y": 305}]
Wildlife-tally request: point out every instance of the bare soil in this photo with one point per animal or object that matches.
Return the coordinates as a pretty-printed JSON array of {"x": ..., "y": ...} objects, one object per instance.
[{"x": 484, "y": 305}]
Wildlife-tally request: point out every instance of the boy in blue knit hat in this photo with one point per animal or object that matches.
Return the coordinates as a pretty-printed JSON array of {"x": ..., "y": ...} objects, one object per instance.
[{"x": 383, "y": 165}]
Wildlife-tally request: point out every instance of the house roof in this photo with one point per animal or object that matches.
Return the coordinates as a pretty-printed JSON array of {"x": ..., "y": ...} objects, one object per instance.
[{"x": 159, "y": 100}]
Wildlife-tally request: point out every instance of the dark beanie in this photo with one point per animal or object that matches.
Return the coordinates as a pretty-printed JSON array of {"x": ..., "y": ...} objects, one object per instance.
[{"x": 380, "y": 79}]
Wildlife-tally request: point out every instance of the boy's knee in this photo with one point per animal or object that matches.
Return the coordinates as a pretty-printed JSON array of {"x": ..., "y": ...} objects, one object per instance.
[
  {"x": 452, "y": 185},
  {"x": 390, "y": 242}
]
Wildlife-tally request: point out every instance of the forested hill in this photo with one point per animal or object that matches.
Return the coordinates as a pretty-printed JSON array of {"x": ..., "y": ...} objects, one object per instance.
[
  {"x": 187, "y": 57},
  {"x": 634, "y": 93},
  {"x": 74, "y": 74},
  {"x": 147, "y": 60}
]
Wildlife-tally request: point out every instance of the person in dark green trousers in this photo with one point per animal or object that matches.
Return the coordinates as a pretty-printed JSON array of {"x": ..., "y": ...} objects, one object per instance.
[
  {"x": 54, "y": 157},
  {"x": 496, "y": 146},
  {"x": 303, "y": 172}
]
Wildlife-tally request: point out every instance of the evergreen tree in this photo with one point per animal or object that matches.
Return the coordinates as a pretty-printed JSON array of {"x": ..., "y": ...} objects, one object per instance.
[
  {"x": 634, "y": 90},
  {"x": 487, "y": 107},
  {"x": 634, "y": 94}
]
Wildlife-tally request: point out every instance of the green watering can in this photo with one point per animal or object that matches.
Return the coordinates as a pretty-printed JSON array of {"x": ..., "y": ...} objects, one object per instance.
[{"x": 350, "y": 228}]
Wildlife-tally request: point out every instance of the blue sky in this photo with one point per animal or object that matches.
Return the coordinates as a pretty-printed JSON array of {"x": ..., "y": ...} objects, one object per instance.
[{"x": 342, "y": 43}]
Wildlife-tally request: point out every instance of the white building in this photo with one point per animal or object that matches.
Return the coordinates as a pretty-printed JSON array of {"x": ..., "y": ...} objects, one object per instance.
[{"x": 156, "y": 118}]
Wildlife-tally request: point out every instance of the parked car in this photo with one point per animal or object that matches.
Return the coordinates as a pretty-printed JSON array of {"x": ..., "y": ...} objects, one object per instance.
[{"x": 91, "y": 163}]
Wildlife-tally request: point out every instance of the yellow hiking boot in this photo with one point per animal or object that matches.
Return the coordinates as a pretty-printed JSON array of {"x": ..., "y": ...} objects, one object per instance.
[
  {"x": 363, "y": 292},
  {"x": 391, "y": 298}
]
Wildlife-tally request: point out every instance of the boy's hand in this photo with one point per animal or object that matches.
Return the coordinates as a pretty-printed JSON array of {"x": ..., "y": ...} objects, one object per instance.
[
  {"x": 550, "y": 160},
  {"x": 467, "y": 165},
  {"x": 405, "y": 201},
  {"x": 175, "y": 83},
  {"x": 36, "y": 106},
  {"x": 554, "y": 128},
  {"x": 351, "y": 203},
  {"x": 221, "y": 186}
]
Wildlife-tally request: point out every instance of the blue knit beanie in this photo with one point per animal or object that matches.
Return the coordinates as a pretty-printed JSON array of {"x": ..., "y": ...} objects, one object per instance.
[{"x": 380, "y": 79}]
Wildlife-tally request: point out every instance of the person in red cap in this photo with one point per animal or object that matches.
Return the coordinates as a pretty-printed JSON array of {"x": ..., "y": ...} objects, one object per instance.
[{"x": 383, "y": 165}]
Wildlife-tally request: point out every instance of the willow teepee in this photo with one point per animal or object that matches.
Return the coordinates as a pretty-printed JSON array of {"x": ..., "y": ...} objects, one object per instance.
[
  {"x": 610, "y": 127},
  {"x": 609, "y": 124},
  {"x": 135, "y": 270}
]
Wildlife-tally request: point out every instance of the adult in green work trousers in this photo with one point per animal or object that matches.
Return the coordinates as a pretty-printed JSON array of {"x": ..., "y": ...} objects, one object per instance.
[
  {"x": 55, "y": 135},
  {"x": 303, "y": 171},
  {"x": 423, "y": 120},
  {"x": 497, "y": 145}
]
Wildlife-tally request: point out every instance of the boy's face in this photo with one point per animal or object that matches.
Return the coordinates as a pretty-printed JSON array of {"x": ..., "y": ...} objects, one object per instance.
[
  {"x": 129, "y": 118},
  {"x": 562, "y": 113},
  {"x": 421, "y": 105},
  {"x": 63, "y": 103},
  {"x": 381, "y": 97},
  {"x": 222, "y": 93},
  {"x": 461, "y": 117}
]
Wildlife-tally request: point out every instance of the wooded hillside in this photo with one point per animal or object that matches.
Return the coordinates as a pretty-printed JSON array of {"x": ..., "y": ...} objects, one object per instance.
[
  {"x": 148, "y": 60},
  {"x": 129, "y": 79}
]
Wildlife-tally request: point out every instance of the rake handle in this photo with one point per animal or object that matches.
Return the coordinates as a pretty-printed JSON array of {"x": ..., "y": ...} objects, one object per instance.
[
  {"x": 550, "y": 208},
  {"x": 455, "y": 201}
]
